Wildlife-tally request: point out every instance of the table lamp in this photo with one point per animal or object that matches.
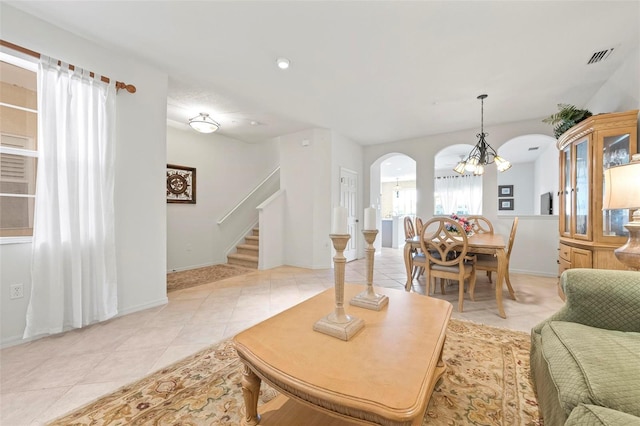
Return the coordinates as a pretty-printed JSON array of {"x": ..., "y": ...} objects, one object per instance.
[{"x": 622, "y": 191}]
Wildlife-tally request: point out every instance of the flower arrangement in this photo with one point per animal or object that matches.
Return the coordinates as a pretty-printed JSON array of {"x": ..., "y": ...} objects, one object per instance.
[{"x": 464, "y": 224}]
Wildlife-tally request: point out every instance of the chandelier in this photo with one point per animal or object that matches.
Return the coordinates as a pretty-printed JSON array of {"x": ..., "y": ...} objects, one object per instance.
[{"x": 481, "y": 154}]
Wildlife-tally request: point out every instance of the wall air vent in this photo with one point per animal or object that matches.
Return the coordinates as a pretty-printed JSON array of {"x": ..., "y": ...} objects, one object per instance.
[{"x": 600, "y": 56}]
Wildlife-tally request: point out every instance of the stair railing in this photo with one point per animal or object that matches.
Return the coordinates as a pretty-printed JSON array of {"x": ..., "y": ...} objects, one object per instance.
[{"x": 248, "y": 195}]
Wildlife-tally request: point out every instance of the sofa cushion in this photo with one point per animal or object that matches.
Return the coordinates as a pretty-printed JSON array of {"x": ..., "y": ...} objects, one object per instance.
[
  {"x": 593, "y": 366},
  {"x": 594, "y": 415}
]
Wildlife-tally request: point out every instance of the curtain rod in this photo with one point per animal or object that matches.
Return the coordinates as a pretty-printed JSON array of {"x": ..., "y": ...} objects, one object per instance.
[{"x": 119, "y": 85}]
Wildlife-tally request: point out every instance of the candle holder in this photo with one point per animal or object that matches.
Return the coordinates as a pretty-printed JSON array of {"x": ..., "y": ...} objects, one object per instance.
[
  {"x": 338, "y": 323},
  {"x": 368, "y": 299}
]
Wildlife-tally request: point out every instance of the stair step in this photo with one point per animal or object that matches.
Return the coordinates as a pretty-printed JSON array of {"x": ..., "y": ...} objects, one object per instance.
[
  {"x": 249, "y": 249},
  {"x": 252, "y": 240},
  {"x": 256, "y": 232},
  {"x": 243, "y": 260}
]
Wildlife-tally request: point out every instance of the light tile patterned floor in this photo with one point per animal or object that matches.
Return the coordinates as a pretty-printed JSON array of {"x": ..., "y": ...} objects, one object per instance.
[{"x": 42, "y": 380}]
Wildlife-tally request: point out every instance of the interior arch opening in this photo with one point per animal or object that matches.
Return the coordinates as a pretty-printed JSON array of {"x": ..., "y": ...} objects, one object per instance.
[
  {"x": 394, "y": 195},
  {"x": 453, "y": 192},
  {"x": 530, "y": 187}
]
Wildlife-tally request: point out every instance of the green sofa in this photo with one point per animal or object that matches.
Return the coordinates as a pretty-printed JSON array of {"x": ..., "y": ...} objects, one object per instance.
[{"x": 585, "y": 359}]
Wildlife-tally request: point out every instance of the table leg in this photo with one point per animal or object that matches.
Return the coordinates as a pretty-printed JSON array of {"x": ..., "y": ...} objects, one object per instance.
[
  {"x": 408, "y": 263},
  {"x": 250, "y": 392},
  {"x": 502, "y": 265}
]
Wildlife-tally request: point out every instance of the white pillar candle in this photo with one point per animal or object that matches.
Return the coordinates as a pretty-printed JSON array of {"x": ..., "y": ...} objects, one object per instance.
[
  {"x": 370, "y": 219},
  {"x": 339, "y": 223}
]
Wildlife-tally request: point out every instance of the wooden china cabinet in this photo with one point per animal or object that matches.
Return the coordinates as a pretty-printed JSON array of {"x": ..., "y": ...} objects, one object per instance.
[{"x": 588, "y": 235}]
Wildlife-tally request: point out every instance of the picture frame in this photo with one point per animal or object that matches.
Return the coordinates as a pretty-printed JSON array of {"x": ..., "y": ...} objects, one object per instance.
[
  {"x": 505, "y": 190},
  {"x": 181, "y": 184},
  {"x": 505, "y": 204}
]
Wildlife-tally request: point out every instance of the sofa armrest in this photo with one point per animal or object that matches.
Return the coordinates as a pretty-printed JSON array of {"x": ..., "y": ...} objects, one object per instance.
[{"x": 600, "y": 298}]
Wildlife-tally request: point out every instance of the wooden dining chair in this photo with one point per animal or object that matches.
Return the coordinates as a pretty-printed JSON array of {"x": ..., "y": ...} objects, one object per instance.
[
  {"x": 410, "y": 232},
  {"x": 489, "y": 263},
  {"x": 419, "y": 225},
  {"x": 447, "y": 256},
  {"x": 480, "y": 224}
]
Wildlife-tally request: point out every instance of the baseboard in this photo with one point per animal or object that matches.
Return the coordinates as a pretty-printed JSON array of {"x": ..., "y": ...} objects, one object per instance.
[
  {"x": 190, "y": 267},
  {"x": 18, "y": 340},
  {"x": 307, "y": 266},
  {"x": 536, "y": 273},
  {"x": 153, "y": 304}
]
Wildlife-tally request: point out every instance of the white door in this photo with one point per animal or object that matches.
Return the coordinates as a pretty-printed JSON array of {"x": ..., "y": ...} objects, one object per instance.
[{"x": 348, "y": 199}]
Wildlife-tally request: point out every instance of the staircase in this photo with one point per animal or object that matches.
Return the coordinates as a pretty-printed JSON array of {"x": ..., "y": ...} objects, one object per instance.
[{"x": 246, "y": 254}]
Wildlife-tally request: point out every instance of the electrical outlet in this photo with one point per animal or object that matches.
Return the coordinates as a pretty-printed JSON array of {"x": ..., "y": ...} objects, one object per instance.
[{"x": 17, "y": 291}]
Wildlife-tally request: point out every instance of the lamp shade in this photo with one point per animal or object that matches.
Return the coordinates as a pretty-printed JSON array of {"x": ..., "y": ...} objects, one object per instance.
[
  {"x": 622, "y": 187},
  {"x": 203, "y": 123}
]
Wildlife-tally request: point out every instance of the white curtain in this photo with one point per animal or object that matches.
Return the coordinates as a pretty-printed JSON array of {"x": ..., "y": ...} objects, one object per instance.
[
  {"x": 73, "y": 267},
  {"x": 458, "y": 194}
]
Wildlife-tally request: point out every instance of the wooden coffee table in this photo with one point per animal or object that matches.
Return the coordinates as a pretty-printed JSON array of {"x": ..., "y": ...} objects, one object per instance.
[{"x": 383, "y": 375}]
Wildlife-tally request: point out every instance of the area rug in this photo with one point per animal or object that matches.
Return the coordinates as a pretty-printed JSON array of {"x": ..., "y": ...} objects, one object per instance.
[
  {"x": 487, "y": 382},
  {"x": 208, "y": 274}
]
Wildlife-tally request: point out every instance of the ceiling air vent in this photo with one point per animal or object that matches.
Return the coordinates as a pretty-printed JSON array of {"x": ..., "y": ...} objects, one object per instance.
[
  {"x": 534, "y": 148},
  {"x": 600, "y": 56}
]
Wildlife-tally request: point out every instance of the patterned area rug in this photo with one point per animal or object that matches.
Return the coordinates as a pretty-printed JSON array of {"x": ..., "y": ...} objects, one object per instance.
[
  {"x": 199, "y": 276},
  {"x": 486, "y": 383}
]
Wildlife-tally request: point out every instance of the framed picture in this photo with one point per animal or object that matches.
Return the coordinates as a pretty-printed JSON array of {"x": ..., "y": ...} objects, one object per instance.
[
  {"x": 181, "y": 184},
  {"x": 505, "y": 204},
  {"x": 505, "y": 190}
]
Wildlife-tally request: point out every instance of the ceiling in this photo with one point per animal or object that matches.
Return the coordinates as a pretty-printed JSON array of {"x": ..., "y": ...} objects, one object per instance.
[{"x": 373, "y": 71}]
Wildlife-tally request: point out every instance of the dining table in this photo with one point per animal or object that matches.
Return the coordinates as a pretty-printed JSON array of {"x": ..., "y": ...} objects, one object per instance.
[{"x": 479, "y": 243}]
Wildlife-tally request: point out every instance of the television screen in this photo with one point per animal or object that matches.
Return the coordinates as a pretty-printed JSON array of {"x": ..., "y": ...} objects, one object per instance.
[{"x": 546, "y": 203}]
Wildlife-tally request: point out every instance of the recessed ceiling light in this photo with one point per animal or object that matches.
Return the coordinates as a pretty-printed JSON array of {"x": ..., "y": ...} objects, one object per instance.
[
  {"x": 283, "y": 63},
  {"x": 254, "y": 123}
]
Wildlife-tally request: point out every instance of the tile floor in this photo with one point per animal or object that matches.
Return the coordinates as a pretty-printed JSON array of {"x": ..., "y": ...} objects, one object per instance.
[{"x": 41, "y": 380}]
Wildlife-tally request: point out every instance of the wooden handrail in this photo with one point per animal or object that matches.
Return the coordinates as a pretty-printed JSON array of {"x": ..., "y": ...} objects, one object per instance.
[{"x": 249, "y": 195}]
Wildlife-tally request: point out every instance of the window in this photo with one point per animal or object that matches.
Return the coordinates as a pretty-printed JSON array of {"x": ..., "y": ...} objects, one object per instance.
[
  {"x": 461, "y": 195},
  {"x": 404, "y": 202},
  {"x": 18, "y": 145}
]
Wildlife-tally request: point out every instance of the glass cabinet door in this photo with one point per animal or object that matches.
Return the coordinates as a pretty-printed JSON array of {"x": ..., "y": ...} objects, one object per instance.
[
  {"x": 565, "y": 196},
  {"x": 615, "y": 152},
  {"x": 581, "y": 190}
]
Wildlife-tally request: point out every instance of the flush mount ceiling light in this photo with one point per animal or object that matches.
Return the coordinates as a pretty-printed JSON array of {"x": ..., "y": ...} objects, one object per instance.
[
  {"x": 481, "y": 154},
  {"x": 203, "y": 123},
  {"x": 283, "y": 63}
]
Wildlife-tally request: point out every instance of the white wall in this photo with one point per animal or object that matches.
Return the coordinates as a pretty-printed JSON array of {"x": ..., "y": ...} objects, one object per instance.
[
  {"x": 348, "y": 154},
  {"x": 310, "y": 177},
  {"x": 227, "y": 170},
  {"x": 140, "y": 168},
  {"x": 535, "y": 248},
  {"x": 547, "y": 175},
  {"x": 522, "y": 177},
  {"x": 305, "y": 176},
  {"x": 272, "y": 231},
  {"x": 622, "y": 91}
]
